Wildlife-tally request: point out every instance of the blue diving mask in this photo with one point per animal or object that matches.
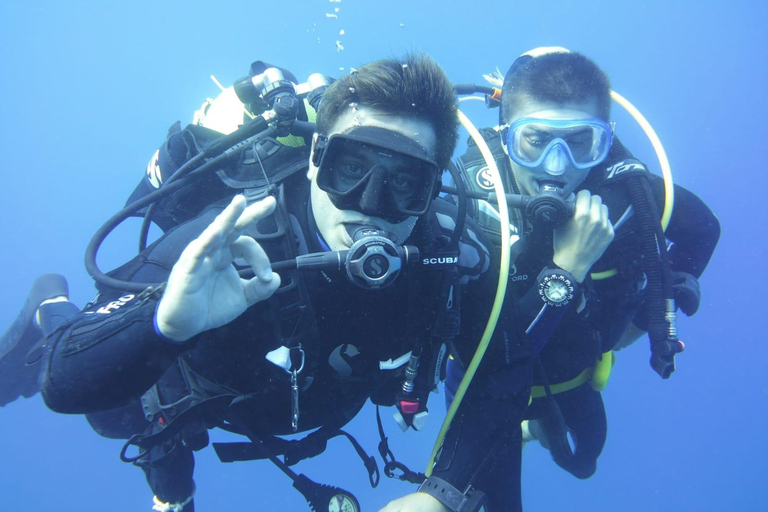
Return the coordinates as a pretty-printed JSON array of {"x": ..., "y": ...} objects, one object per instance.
[
  {"x": 554, "y": 144},
  {"x": 377, "y": 172}
]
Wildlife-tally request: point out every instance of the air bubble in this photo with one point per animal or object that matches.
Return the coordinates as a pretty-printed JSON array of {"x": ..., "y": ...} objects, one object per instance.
[{"x": 352, "y": 90}]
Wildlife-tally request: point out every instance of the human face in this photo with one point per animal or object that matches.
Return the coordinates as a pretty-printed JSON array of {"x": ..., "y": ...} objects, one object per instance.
[
  {"x": 563, "y": 175},
  {"x": 335, "y": 224}
]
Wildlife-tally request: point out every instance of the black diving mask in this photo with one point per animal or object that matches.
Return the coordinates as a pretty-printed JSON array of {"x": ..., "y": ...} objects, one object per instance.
[{"x": 377, "y": 172}]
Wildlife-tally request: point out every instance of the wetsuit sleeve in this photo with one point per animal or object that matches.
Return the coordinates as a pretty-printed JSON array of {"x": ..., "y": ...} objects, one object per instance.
[
  {"x": 529, "y": 316},
  {"x": 111, "y": 352},
  {"x": 693, "y": 230},
  {"x": 105, "y": 356},
  {"x": 482, "y": 446}
]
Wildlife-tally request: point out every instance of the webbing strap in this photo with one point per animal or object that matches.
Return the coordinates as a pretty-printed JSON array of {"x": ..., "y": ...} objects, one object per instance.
[{"x": 598, "y": 373}]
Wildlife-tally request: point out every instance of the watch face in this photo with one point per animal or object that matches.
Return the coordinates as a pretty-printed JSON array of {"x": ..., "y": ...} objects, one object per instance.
[
  {"x": 342, "y": 503},
  {"x": 556, "y": 290}
]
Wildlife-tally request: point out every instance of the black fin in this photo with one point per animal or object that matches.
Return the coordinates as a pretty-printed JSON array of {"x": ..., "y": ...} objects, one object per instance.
[{"x": 17, "y": 378}]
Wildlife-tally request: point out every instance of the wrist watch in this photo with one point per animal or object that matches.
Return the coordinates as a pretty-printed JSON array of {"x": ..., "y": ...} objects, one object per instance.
[
  {"x": 472, "y": 500},
  {"x": 556, "y": 286}
]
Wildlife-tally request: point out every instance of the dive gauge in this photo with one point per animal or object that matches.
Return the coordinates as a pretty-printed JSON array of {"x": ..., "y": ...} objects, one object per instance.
[
  {"x": 343, "y": 503},
  {"x": 556, "y": 287}
]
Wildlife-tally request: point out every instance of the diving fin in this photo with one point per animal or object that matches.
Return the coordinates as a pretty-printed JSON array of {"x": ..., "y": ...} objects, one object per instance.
[{"x": 17, "y": 378}]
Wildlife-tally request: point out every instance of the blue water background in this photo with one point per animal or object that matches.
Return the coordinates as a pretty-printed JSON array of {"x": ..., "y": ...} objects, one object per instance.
[{"x": 89, "y": 89}]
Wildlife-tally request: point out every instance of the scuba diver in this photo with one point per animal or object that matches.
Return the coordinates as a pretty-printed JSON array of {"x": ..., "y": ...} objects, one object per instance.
[
  {"x": 587, "y": 241},
  {"x": 274, "y": 304}
]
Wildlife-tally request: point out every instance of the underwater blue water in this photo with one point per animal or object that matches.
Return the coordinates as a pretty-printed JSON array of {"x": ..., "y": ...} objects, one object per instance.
[{"x": 89, "y": 89}]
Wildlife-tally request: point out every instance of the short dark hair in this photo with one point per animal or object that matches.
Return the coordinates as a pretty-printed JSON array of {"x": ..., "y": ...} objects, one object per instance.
[
  {"x": 415, "y": 87},
  {"x": 555, "y": 78}
]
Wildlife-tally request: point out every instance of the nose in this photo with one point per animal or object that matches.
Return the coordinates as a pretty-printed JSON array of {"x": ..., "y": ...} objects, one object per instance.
[
  {"x": 556, "y": 161},
  {"x": 372, "y": 197}
]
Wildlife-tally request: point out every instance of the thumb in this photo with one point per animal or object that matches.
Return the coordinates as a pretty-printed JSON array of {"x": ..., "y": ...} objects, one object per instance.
[{"x": 257, "y": 289}]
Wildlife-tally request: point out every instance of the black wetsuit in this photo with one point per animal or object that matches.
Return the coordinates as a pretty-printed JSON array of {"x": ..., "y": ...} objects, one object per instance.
[
  {"x": 611, "y": 304},
  {"x": 110, "y": 354}
]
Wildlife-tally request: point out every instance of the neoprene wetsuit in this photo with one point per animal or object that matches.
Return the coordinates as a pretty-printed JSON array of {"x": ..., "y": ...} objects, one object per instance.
[
  {"x": 582, "y": 336},
  {"x": 102, "y": 361}
]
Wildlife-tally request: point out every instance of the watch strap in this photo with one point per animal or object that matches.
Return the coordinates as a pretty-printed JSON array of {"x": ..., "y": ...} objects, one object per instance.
[
  {"x": 457, "y": 501},
  {"x": 552, "y": 268}
]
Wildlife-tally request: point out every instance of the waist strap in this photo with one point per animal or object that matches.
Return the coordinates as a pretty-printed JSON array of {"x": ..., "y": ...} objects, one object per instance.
[{"x": 598, "y": 374}]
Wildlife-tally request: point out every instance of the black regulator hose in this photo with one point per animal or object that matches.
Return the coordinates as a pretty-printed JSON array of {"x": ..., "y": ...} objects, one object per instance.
[
  {"x": 98, "y": 238},
  {"x": 216, "y": 151},
  {"x": 659, "y": 296},
  {"x": 547, "y": 209},
  {"x": 304, "y": 129}
]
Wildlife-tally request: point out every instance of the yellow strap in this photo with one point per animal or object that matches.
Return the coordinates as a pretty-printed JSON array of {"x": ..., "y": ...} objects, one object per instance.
[
  {"x": 603, "y": 368},
  {"x": 599, "y": 374},
  {"x": 562, "y": 387},
  {"x": 292, "y": 141},
  {"x": 295, "y": 141},
  {"x": 501, "y": 289}
]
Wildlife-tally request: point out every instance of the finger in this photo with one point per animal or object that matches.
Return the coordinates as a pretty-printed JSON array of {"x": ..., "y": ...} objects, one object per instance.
[
  {"x": 251, "y": 215},
  {"x": 248, "y": 249},
  {"x": 256, "y": 290},
  {"x": 583, "y": 201},
  {"x": 212, "y": 238},
  {"x": 605, "y": 217},
  {"x": 595, "y": 208},
  {"x": 216, "y": 234},
  {"x": 256, "y": 211}
]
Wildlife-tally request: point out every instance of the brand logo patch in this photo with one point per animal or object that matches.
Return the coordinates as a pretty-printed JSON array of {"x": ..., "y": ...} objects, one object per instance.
[
  {"x": 154, "y": 176},
  {"x": 623, "y": 167},
  {"x": 440, "y": 261},
  {"x": 484, "y": 178},
  {"x": 340, "y": 359},
  {"x": 513, "y": 274},
  {"x": 376, "y": 266},
  {"x": 115, "y": 304}
]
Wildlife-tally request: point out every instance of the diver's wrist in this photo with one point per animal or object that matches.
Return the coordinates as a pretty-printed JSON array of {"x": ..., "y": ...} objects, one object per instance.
[
  {"x": 578, "y": 271},
  {"x": 165, "y": 333}
]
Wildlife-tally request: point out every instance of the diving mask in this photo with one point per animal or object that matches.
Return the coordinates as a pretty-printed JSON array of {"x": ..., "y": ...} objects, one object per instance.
[
  {"x": 377, "y": 172},
  {"x": 555, "y": 143}
]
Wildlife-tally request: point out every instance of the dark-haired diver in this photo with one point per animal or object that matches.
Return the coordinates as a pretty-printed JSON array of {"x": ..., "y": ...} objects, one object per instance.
[
  {"x": 276, "y": 304},
  {"x": 602, "y": 259}
]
